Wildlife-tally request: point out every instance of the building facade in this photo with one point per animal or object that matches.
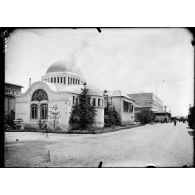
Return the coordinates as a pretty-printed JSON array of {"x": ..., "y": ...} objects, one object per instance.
[
  {"x": 148, "y": 100},
  {"x": 123, "y": 105},
  {"x": 162, "y": 117},
  {"x": 59, "y": 87},
  {"x": 11, "y": 91}
]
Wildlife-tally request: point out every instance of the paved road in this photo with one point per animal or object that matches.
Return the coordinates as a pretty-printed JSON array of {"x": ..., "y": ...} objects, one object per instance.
[{"x": 161, "y": 144}]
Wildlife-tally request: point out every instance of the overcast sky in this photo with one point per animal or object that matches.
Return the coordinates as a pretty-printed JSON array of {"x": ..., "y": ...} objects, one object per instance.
[{"x": 132, "y": 60}]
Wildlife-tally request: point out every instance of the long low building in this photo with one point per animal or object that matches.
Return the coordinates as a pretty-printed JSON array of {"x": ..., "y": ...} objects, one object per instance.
[{"x": 162, "y": 116}]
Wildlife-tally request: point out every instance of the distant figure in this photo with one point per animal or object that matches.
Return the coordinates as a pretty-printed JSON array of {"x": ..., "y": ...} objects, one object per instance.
[
  {"x": 175, "y": 122},
  {"x": 100, "y": 164}
]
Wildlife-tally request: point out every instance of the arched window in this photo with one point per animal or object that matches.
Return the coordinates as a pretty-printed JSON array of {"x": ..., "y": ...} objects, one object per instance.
[
  {"x": 39, "y": 95},
  {"x": 34, "y": 111},
  {"x": 44, "y": 111}
]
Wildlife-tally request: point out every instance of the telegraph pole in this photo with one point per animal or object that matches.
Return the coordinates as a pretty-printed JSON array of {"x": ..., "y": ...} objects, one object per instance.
[{"x": 156, "y": 87}]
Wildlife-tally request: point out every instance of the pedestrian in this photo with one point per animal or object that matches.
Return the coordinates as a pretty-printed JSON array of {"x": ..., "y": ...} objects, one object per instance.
[{"x": 175, "y": 122}]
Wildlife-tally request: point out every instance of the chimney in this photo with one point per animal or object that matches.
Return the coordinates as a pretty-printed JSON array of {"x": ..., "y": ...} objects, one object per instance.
[{"x": 29, "y": 82}]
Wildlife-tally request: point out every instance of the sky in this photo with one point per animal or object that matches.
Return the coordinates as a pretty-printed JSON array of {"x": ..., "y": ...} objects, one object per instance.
[{"x": 158, "y": 60}]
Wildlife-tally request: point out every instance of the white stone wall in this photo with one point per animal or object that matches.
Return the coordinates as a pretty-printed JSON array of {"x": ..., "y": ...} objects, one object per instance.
[
  {"x": 64, "y": 101},
  {"x": 126, "y": 117},
  {"x": 99, "y": 118}
]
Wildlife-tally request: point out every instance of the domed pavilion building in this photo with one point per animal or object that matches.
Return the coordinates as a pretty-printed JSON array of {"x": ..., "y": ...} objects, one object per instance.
[{"x": 60, "y": 86}]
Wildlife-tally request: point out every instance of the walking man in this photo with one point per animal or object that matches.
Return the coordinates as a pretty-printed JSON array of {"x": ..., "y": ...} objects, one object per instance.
[{"x": 175, "y": 122}]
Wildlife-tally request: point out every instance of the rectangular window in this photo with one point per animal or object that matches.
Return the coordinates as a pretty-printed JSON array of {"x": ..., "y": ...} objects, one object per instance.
[
  {"x": 51, "y": 80},
  {"x": 58, "y": 80},
  {"x": 61, "y": 79},
  {"x": 73, "y": 100},
  {"x": 125, "y": 106},
  {"x": 64, "y": 80},
  {"x": 98, "y": 101},
  {"x": 94, "y": 102},
  {"x": 54, "y": 79},
  {"x": 89, "y": 100}
]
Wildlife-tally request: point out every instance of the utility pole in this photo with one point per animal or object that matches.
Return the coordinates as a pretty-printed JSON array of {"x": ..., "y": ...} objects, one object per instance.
[
  {"x": 29, "y": 82},
  {"x": 156, "y": 87}
]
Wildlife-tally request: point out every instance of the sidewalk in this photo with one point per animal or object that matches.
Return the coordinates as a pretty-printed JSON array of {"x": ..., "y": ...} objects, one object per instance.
[{"x": 97, "y": 131}]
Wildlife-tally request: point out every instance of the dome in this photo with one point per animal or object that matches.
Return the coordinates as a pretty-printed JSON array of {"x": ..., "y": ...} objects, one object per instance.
[{"x": 64, "y": 66}]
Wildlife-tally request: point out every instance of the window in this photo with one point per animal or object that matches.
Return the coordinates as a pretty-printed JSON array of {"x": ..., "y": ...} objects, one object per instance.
[
  {"x": 51, "y": 80},
  {"x": 44, "y": 111},
  {"x": 64, "y": 80},
  {"x": 73, "y": 98},
  {"x": 34, "y": 111},
  {"x": 7, "y": 90},
  {"x": 58, "y": 79},
  {"x": 125, "y": 106},
  {"x": 61, "y": 80},
  {"x": 98, "y": 101},
  {"x": 79, "y": 82},
  {"x": 94, "y": 102},
  {"x": 39, "y": 95},
  {"x": 68, "y": 81},
  {"x": 89, "y": 100},
  {"x": 54, "y": 79}
]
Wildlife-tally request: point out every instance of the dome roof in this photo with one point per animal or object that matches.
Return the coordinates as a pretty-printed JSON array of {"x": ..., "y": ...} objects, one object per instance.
[{"x": 64, "y": 66}]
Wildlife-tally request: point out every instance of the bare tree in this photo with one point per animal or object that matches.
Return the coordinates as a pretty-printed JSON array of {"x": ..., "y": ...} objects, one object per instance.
[{"x": 54, "y": 115}]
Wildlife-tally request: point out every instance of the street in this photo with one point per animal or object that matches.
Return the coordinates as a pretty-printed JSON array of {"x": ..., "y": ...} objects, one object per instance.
[{"x": 161, "y": 144}]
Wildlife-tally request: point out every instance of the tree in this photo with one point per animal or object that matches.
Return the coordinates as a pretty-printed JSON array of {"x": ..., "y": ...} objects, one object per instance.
[
  {"x": 146, "y": 116},
  {"x": 54, "y": 115},
  {"x": 83, "y": 113},
  {"x": 191, "y": 117},
  {"x": 111, "y": 117}
]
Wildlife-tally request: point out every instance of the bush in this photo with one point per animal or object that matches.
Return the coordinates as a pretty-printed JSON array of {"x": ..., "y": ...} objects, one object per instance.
[{"x": 146, "y": 116}]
